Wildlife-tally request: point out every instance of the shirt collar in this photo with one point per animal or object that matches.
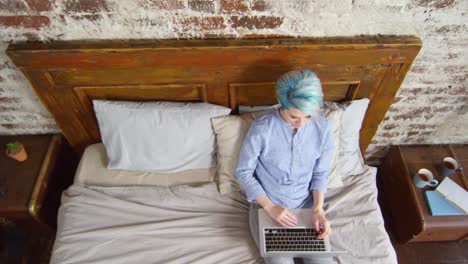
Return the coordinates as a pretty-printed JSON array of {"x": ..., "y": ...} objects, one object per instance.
[{"x": 286, "y": 124}]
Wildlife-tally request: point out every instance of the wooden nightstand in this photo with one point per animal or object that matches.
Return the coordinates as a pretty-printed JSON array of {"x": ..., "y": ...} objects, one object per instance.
[
  {"x": 33, "y": 187},
  {"x": 410, "y": 218}
]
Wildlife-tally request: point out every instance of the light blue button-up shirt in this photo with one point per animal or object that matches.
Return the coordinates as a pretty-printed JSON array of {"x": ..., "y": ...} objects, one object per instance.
[{"x": 284, "y": 164}]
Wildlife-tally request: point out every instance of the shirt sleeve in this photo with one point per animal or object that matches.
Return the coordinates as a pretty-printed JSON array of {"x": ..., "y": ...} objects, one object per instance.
[
  {"x": 248, "y": 159},
  {"x": 323, "y": 164}
]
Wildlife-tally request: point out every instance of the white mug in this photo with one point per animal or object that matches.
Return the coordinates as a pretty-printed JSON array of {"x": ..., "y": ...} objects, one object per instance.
[
  {"x": 448, "y": 166},
  {"x": 423, "y": 178}
]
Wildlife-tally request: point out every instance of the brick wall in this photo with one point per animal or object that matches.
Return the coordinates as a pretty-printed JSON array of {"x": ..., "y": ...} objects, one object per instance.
[{"x": 431, "y": 106}]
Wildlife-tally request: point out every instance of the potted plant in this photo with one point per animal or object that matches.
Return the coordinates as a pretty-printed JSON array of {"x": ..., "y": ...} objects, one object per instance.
[{"x": 16, "y": 151}]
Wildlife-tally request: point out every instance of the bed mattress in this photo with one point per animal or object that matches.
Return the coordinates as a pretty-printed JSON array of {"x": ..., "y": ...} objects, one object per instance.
[
  {"x": 195, "y": 224},
  {"x": 92, "y": 171}
]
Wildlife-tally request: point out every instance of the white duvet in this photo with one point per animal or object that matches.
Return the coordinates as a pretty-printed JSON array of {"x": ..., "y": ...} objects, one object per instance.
[{"x": 184, "y": 224}]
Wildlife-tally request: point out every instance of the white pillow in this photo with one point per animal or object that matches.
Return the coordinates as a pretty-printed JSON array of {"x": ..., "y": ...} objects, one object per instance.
[
  {"x": 350, "y": 161},
  {"x": 334, "y": 115},
  {"x": 230, "y": 132},
  {"x": 158, "y": 136}
]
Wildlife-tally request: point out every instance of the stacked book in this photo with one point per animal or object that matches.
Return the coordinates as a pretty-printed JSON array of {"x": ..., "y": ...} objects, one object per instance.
[{"x": 449, "y": 198}]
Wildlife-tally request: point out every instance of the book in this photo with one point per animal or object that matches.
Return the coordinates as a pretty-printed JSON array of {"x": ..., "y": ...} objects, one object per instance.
[
  {"x": 439, "y": 206},
  {"x": 453, "y": 193}
]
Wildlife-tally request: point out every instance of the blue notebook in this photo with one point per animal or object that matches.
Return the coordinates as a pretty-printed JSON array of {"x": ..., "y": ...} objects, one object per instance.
[{"x": 439, "y": 206}]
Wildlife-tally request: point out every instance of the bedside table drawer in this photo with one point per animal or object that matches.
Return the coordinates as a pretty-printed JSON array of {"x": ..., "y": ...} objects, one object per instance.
[{"x": 33, "y": 187}]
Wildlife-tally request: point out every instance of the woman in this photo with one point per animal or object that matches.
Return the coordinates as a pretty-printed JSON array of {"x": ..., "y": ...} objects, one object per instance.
[{"x": 285, "y": 158}]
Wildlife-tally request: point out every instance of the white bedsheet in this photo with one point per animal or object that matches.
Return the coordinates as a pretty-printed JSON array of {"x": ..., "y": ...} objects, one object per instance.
[
  {"x": 152, "y": 225},
  {"x": 356, "y": 221},
  {"x": 183, "y": 224}
]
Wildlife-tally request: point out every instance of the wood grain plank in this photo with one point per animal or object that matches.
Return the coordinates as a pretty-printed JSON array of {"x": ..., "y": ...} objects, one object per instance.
[{"x": 367, "y": 66}]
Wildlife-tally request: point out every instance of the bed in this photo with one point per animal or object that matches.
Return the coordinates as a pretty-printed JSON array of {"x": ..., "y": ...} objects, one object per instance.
[{"x": 200, "y": 215}]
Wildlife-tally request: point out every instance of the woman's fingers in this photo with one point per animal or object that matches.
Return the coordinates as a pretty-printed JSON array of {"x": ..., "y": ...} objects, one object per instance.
[
  {"x": 325, "y": 230},
  {"x": 286, "y": 223},
  {"x": 291, "y": 217},
  {"x": 323, "y": 234},
  {"x": 282, "y": 216},
  {"x": 287, "y": 219}
]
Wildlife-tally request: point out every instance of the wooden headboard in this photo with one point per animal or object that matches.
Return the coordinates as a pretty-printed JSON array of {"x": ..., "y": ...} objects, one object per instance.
[{"x": 68, "y": 75}]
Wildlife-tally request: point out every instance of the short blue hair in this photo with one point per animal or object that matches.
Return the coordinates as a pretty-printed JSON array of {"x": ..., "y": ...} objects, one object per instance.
[{"x": 300, "y": 89}]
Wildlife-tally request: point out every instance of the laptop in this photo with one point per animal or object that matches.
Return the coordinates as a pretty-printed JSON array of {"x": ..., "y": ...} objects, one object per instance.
[{"x": 298, "y": 241}]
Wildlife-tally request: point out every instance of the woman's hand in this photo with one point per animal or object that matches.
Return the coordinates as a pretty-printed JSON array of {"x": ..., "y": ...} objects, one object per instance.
[
  {"x": 320, "y": 222},
  {"x": 281, "y": 215}
]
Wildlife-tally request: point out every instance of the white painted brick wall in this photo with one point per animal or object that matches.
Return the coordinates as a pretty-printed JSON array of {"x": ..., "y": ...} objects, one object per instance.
[{"x": 431, "y": 106}]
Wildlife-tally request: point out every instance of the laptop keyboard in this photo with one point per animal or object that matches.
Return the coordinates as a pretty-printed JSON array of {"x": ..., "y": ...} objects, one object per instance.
[{"x": 293, "y": 239}]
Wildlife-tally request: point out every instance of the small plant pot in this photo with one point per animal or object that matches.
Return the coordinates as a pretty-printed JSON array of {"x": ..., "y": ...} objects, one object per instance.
[{"x": 17, "y": 154}]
